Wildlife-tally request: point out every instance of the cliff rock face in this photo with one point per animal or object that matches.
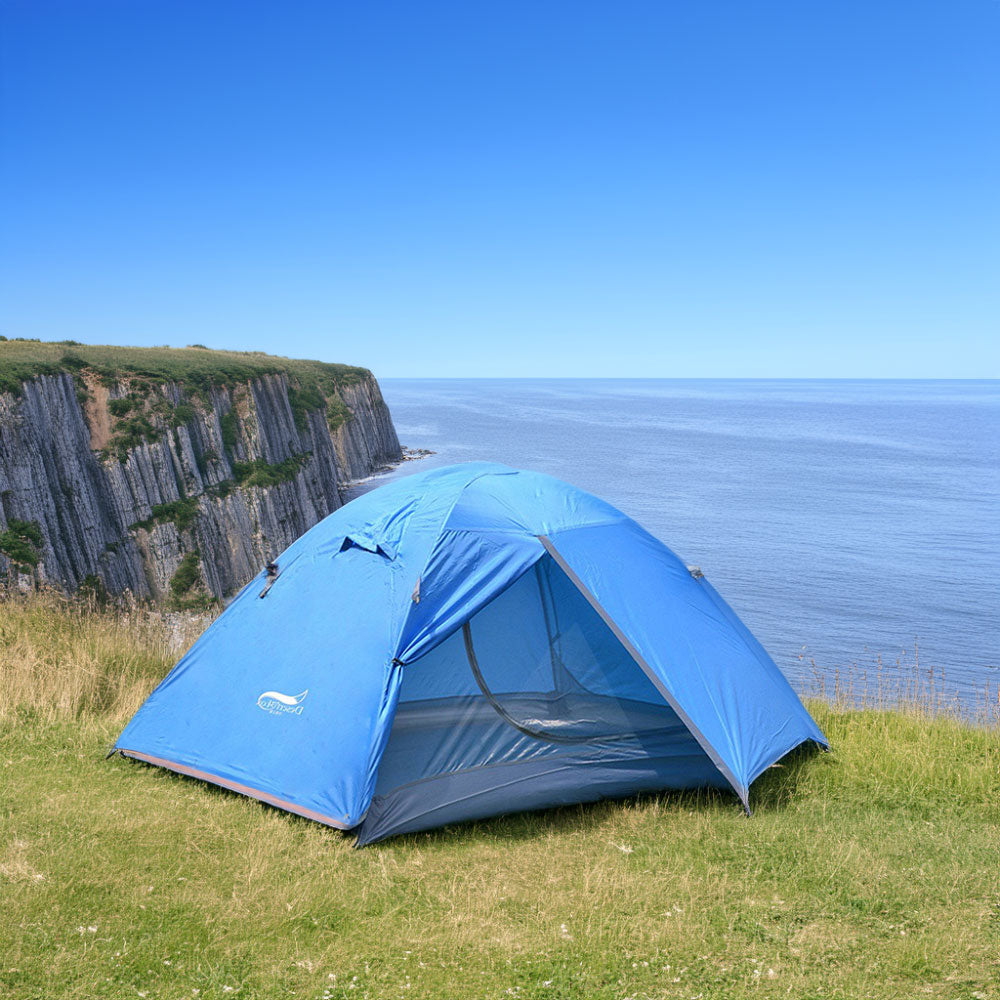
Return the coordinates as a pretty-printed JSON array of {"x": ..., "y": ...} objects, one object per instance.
[{"x": 148, "y": 487}]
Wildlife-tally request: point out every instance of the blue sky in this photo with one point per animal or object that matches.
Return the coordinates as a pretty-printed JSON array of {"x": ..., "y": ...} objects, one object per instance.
[{"x": 714, "y": 188}]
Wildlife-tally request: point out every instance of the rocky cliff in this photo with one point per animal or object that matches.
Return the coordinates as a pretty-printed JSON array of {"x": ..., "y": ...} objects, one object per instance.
[{"x": 172, "y": 473}]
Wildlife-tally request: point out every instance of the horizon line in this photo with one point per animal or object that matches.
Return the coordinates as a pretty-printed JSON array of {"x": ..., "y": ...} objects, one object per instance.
[{"x": 685, "y": 378}]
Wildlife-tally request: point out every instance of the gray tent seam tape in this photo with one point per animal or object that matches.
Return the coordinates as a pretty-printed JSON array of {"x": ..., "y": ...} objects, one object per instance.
[{"x": 741, "y": 792}]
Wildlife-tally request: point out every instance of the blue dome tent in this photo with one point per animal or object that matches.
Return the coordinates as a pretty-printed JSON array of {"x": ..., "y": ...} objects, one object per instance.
[{"x": 464, "y": 642}]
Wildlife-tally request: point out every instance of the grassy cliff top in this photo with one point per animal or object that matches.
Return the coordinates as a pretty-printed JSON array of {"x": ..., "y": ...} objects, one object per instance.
[{"x": 195, "y": 366}]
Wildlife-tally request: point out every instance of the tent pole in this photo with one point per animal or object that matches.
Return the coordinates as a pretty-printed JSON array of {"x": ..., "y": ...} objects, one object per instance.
[{"x": 723, "y": 767}]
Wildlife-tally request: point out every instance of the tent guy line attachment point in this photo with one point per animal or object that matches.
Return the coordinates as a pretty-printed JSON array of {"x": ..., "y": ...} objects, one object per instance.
[{"x": 272, "y": 571}]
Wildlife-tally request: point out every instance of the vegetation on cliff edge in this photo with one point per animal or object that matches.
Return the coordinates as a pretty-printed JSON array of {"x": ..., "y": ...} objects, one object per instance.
[
  {"x": 193, "y": 367},
  {"x": 145, "y": 412}
]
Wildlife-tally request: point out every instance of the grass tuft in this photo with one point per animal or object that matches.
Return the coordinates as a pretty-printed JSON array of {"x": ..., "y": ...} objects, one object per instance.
[
  {"x": 20, "y": 541},
  {"x": 181, "y": 512},
  {"x": 261, "y": 473},
  {"x": 187, "y": 575},
  {"x": 228, "y": 424}
]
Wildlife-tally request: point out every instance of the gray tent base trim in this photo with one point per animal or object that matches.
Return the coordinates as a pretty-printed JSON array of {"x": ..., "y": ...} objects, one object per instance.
[{"x": 235, "y": 786}]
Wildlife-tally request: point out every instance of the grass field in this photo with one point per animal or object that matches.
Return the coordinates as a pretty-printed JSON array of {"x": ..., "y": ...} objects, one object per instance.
[{"x": 871, "y": 871}]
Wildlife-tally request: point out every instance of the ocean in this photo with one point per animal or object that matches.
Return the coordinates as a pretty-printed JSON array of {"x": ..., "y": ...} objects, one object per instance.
[{"x": 845, "y": 521}]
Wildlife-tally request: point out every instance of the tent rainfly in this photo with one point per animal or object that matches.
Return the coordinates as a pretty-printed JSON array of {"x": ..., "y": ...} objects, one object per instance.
[{"x": 464, "y": 642}]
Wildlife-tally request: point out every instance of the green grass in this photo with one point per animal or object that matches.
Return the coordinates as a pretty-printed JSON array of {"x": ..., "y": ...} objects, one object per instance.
[
  {"x": 20, "y": 541},
  {"x": 187, "y": 575},
  {"x": 259, "y": 473},
  {"x": 193, "y": 367},
  {"x": 337, "y": 413},
  {"x": 871, "y": 871},
  {"x": 182, "y": 512},
  {"x": 121, "y": 407},
  {"x": 182, "y": 414},
  {"x": 304, "y": 401},
  {"x": 130, "y": 433},
  {"x": 229, "y": 426}
]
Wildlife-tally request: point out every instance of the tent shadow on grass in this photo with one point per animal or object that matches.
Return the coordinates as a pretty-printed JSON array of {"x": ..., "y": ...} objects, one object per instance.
[{"x": 778, "y": 785}]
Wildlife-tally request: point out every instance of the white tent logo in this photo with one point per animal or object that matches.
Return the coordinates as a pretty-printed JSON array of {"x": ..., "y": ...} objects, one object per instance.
[{"x": 282, "y": 704}]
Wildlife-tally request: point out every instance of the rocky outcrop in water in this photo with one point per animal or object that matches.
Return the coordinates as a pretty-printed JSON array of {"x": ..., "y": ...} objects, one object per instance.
[{"x": 150, "y": 487}]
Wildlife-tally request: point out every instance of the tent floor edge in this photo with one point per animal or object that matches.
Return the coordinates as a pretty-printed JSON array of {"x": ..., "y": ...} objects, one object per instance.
[
  {"x": 533, "y": 785},
  {"x": 240, "y": 789}
]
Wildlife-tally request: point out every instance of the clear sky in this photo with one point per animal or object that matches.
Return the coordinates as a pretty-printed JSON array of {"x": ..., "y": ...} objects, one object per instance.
[{"x": 663, "y": 188}]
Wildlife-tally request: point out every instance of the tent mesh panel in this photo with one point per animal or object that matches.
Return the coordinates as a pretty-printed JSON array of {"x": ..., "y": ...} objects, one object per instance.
[{"x": 535, "y": 674}]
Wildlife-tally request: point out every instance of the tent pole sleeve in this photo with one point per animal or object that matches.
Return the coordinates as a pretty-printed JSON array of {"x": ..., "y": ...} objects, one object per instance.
[{"x": 667, "y": 695}]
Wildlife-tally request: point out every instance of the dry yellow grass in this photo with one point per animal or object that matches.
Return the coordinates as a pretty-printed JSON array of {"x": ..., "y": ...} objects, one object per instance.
[{"x": 66, "y": 659}]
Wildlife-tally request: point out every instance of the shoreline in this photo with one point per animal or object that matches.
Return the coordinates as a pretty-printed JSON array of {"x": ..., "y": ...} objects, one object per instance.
[{"x": 354, "y": 488}]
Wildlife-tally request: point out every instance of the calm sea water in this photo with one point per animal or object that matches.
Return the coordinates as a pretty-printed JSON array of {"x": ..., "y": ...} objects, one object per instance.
[{"x": 842, "y": 520}]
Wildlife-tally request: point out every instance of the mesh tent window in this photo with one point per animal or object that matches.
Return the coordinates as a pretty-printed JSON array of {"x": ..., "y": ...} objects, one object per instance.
[{"x": 533, "y": 702}]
